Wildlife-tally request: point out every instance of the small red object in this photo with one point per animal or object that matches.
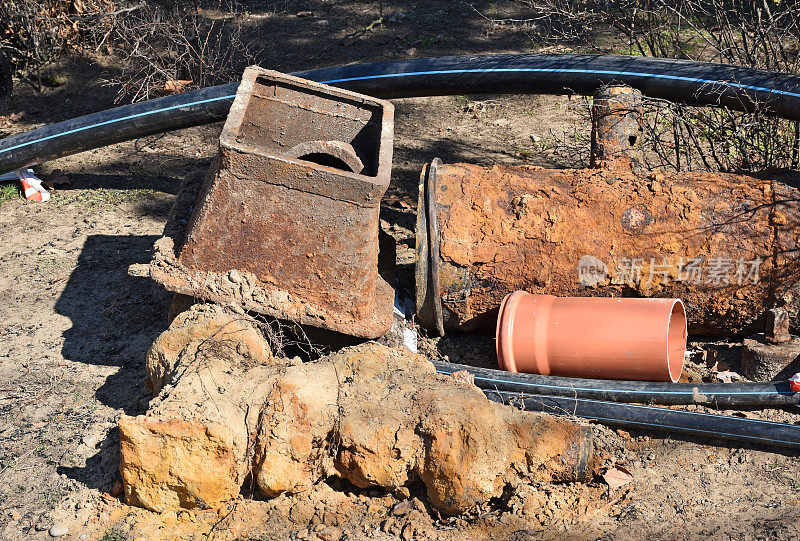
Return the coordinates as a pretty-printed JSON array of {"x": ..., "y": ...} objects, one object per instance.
[
  {"x": 32, "y": 186},
  {"x": 794, "y": 383}
]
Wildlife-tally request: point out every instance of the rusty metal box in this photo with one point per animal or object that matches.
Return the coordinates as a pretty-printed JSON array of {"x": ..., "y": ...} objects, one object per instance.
[{"x": 286, "y": 222}]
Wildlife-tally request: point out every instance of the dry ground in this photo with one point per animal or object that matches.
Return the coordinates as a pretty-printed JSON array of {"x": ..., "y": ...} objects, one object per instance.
[{"x": 74, "y": 327}]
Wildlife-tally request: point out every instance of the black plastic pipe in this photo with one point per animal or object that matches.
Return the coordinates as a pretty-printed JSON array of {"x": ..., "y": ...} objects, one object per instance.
[
  {"x": 752, "y": 431},
  {"x": 695, "y": 83},
  {"x": 642, "y": 392}
]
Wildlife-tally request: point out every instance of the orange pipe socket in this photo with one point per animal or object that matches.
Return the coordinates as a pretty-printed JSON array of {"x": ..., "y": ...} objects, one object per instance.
[{"x": 594, "y": 337}]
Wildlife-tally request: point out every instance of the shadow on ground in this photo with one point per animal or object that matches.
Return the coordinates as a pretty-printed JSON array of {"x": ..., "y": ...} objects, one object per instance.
[{"x": 115, "y": 317}]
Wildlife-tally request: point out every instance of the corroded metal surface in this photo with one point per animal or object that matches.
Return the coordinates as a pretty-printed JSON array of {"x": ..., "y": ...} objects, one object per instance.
[
  {"x": 776, "y": 330},
  {"x": 726, "y": 244},
  {"x": 428, "y": 293},
  {"x": 616, "y": 127},
  {"x": 280, "y": 228},
  {"x": 763, "y": 360},
  {"x": 334, "y": 153}
]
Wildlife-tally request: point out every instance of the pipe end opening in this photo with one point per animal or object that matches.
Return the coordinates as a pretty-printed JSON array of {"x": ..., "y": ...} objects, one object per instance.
[
  {"x": 504, "y": 333},
  {"x": 676, "y": 340}
]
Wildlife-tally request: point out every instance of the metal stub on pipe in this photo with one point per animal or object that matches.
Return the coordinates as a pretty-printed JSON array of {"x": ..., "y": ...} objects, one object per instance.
[
  {"x": 631, "y": 339},
  {"x": 776, "y": 330},
  {"x": 764, "y": 361},
  {"x": 774, "y": 354},
  {"x": 617, "y": 128},
  {"x": 287, "y": 221}
]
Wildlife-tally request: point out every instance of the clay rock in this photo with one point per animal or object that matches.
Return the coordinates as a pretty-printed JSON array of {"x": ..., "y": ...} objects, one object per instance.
[
  {"x": 295, "y": 426},
  {"x": 465, "y": 463},
  {"x": 191, "y": 329},
  {"x": 171, "y": 464},
  {"x": 402, "y": 421},
  {"x": 398, "y": 421},
  {"x": 374, "y": 415},
  {"x": 378, "y": 443},
  {"x": 193, "y": 447}
]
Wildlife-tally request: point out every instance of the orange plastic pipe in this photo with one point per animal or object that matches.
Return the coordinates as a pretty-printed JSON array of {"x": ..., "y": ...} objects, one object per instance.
[{"x": 592, "y": 337}]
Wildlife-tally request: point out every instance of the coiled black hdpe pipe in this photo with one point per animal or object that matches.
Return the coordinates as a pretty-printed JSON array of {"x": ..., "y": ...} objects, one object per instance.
[
  {"x": 642, "y": 392},
  {"x": 695, "y": 83},
  {"x": 752, "y": 431}
]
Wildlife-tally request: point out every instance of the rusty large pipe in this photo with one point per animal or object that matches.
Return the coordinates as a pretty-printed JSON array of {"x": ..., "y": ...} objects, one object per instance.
[{"x": 725, "y": 244}]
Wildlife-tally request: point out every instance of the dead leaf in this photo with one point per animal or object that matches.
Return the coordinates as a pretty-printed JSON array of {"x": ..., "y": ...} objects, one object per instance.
[
  {"x": 141, "y": 270},
  {"x": 177, "y": 85},
  {"x": 464, "y": 376},
  {"x": 726, "y": 376},
  {"x": 56, "y": 182},
  {"x": 16, "y": 117},
  {"x": 720, "y": 367},
  {"x": 403, "y": 507},
  {"x": 617, "y": 477},
  {"x": 399, "y": 201}
]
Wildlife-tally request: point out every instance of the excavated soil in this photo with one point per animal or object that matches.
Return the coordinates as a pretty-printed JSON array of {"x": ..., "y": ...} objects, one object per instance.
[{"x": 227, "y": 417}]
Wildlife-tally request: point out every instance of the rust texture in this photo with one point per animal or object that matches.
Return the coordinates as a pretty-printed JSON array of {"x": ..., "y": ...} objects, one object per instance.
[
  {"x": 286, "y": 222},
  {"x": 763, "y": 360},
  {"x": 616, "y": 232},
  {"x": 616, "y": 128},
  {"x": 329, "y": 153},
  {"x": 776, "y": 329}
]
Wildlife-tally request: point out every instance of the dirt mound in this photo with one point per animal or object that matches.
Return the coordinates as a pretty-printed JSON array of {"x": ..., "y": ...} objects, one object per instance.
[{"x": 372, "y": 415}]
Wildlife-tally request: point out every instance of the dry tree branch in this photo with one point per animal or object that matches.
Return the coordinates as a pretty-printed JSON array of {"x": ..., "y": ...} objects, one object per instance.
[
  {"x": 175, "y": 47},
  {"x": 753, "y": 33}
]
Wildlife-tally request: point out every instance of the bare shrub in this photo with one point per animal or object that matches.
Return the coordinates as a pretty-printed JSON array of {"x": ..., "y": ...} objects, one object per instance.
[
  {"x": 33, "y": 33},
  {"x": 175, "y": 47},
  {"x": 163, "y": 46},
  {"x": 754, "y": 33},
  {"x": 717, "y": 139}
]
